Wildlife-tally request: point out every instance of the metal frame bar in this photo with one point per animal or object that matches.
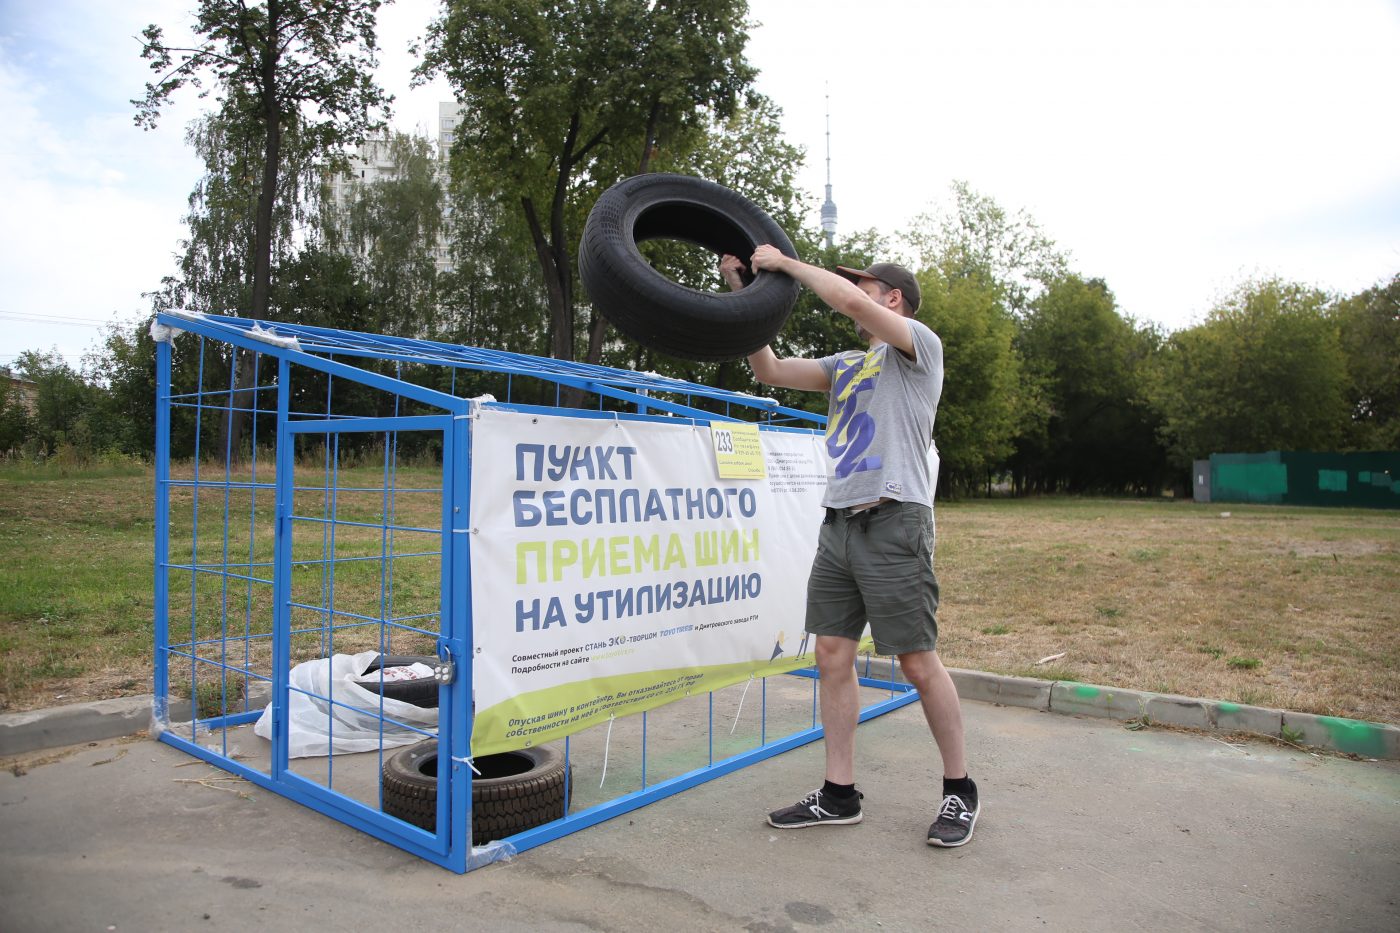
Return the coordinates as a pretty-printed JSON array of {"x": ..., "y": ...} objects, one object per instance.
[{"x": 451, "y": 845}]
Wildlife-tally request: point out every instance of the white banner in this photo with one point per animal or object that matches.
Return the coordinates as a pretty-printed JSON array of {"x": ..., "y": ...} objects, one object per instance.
[{"x": 614, "y": 571}]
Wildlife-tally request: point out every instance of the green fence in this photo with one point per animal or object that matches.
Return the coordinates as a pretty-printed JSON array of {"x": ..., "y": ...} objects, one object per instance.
[{"x": 1369, "y": 479}]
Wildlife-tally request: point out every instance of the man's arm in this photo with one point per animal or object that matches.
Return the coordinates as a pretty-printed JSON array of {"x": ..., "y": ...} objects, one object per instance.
[
  {"x": 799, "y": 373},
  {"x": 843, "y": 296},
  {"x": 767, "y": 367}
]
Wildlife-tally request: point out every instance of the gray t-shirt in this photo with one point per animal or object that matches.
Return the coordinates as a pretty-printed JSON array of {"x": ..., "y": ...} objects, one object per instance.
[{"x": 880, "y": 421}]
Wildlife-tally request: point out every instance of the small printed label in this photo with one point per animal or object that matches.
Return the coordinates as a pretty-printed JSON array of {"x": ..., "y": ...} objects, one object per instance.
[
  {"x": 738, "y": 451},
  {"x": 894, "y": 487},
  {"x": 415, "y": 671}
]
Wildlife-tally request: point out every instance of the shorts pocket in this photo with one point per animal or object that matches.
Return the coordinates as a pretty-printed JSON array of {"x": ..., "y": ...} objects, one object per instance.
[{"x": 917, "y": 523}]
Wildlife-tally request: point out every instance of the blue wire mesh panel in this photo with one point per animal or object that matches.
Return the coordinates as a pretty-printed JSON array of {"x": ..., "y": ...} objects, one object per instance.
[
  {"x": 311, "y": 507},
  {"x": 366, "y": 578},
  {"x": 215, "y": 663}
]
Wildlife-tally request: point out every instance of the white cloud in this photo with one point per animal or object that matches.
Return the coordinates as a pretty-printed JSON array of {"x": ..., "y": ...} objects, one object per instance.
[{"x": 97, "y": 202}]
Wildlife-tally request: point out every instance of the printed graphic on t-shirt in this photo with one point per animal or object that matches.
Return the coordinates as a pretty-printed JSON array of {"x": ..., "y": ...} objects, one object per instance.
[{"x": 852, "y": 428}]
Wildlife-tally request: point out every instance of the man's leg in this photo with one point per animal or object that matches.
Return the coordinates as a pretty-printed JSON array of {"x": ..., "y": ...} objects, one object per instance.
[
  {"x": 840, "y": 699},
  {"x": 836, "y": 802},
  {"x": 939, "y": 698},
  {"x": 957, "y": 816},
  {"x": 834, "y": 606}
]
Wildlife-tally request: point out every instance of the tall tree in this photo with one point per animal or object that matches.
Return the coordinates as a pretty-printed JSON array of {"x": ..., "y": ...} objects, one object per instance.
[
  {"x": 975, "y": 237},
  {"x": 563, "y": 97},
  {"x": 62, "y": 403},
  {"x": 216, "y": 265},
  {"x": 1369, "y": 327},
  {"x": 1100, "y": 435},
  {"x": 306, "y": 64},
  {"x": 392, "y": 228},
  {"x": 978, "y": 414},
  {"x": 987, "y": 266},
  {"x": 279, "y": 67},
  {"x": 1264, "y": 371}
]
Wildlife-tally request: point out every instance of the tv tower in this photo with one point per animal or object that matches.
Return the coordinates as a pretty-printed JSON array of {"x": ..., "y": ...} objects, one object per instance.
[{"x": 829, "y": 206}]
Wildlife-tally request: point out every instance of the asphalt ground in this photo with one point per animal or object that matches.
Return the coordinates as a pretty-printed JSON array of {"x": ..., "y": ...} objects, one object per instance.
[{"x": 1086, "y": 825}]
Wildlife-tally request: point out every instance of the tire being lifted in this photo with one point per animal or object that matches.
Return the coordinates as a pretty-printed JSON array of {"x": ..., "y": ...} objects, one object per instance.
[
  {"x": 662, "y": 314},
  {"x": 516, "y": 790}
]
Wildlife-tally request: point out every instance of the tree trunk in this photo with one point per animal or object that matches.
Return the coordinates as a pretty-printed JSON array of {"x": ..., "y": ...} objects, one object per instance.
[
  {"x": 597, "y": 330},
  {"x": 561, "y": 316},
  {"x": 245, "y": 369},
  {"x": 598, "y": 325}
]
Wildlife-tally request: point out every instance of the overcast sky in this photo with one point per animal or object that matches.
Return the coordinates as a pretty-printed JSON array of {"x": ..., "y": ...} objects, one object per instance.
[{"x": 1173, "y": 149}]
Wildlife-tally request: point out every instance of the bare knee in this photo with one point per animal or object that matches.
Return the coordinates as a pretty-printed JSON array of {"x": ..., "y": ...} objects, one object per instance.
[
  {"x": 923, "y": 669},
  {"x": 835, "y": 656}
]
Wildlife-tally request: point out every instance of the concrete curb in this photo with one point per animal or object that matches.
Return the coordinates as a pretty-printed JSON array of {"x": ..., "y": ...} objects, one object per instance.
[
  {"x": 108, "y": 719},
  {"x": 76, "y": 723},
  {"x": 1331, "y": 733}
]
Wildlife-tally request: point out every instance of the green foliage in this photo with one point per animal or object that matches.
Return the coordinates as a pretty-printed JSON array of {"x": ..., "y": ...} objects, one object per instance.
[
  {"x": 294, "y": 81},
  {"x": 1099, "y": 434},
  {"x": 979, "y": 412},
  {"x": 217, "y": 260},
  {"x": 298, "y": 69},
  {"x": 62, "y": 404},
  {"x": 322, "y": 288},
  {"x": 124, "y": 412},
  {"x": 977, "y": 239},
  {"x": 15, "y": 424},
  {"x": 1265, "y": 371},
  {"x": 562, "y": 98},
  {"x": 1369, "y": 330},
  {"x": 391, "y": 229},
  {"x": 494, "y": 295}
]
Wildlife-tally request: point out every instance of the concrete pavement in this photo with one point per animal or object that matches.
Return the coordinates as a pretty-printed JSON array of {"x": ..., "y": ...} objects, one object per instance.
[{"x": 1086, "y": 826}]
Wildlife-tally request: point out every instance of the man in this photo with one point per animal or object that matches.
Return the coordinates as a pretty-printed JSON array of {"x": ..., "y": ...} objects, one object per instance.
[{"x": 875, "y": 550}]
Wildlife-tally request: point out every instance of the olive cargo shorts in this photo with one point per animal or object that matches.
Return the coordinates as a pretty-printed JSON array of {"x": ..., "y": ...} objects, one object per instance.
[{"x": 876, "y": 566}]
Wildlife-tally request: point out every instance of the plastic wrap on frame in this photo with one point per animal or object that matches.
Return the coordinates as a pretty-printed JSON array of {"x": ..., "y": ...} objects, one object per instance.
[{"x": 481, "y": 856}]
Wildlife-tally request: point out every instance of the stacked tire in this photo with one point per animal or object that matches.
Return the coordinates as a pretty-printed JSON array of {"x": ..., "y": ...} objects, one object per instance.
[
  {"x": 421, "y": 692},
  {"x": 516, "y": 790}
]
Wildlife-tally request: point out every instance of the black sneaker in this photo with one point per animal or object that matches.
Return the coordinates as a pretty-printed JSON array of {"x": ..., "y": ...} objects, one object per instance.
[
  {"x": 818, "y": 809},
  {"x": 955, "y": 822}
]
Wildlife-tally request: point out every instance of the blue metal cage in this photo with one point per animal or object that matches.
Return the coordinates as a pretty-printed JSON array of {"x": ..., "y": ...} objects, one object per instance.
[{"x": 338, "y": 526}]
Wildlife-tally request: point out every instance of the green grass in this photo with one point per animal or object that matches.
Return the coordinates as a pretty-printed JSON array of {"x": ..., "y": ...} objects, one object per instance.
[
  {"x": 76, "y": 598},
  {"x": 1289, "y": 607}
]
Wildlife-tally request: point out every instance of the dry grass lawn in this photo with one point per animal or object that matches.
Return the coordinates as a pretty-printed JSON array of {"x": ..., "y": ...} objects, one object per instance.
[
  {"x": 1285, "y": 607},
  {"x": 1293, "y": 608}
]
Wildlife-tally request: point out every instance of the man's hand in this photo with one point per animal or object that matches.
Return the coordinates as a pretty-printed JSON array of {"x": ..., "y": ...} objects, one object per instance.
[
  {"x": 731, "y": 269},
  {"x": 768, "y": 258}
]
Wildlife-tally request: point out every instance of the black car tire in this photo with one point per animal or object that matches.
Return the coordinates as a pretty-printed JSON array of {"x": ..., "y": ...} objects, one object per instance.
[
  {"x": 516, "y": 790},
  {"x": 422, "y": 693},
  {"x": 662, "y": 314}
]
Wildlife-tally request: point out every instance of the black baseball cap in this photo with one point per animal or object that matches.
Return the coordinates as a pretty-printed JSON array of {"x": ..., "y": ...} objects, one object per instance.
[{"x": 892, "y": 274}]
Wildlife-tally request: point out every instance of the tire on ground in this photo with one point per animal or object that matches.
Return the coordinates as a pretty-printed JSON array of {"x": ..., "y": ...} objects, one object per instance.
[
  {"x": 662, "y": 314},
  {"x": 422, "y": 693},
  {"x": 516, "y": 790}
]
